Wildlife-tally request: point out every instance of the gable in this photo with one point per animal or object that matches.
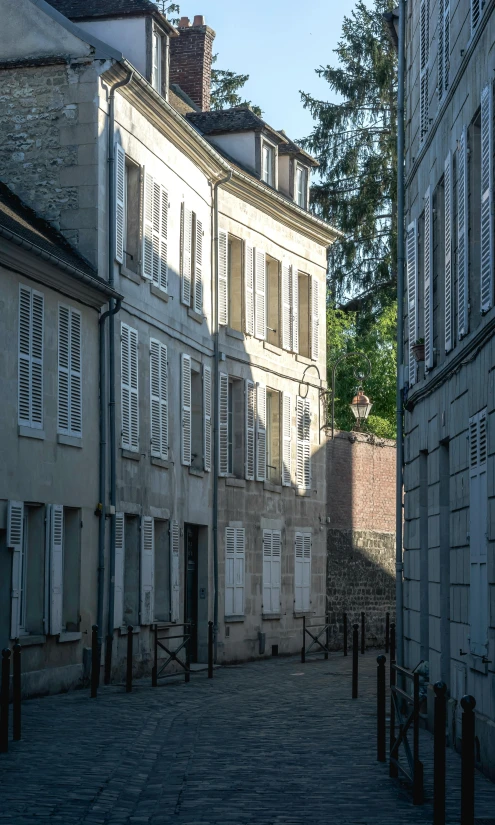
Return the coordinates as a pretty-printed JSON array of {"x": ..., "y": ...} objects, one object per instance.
[{"x": 28, "y": 30}]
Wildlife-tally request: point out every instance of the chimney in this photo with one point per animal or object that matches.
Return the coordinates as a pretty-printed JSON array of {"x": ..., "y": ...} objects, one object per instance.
[{"x": 190, "y": 60}]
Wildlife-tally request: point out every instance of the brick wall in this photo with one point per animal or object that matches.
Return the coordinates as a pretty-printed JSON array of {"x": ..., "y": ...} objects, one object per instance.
[
  {"x": 190, "y": 60},
  {"x": 360, "y": 533}
]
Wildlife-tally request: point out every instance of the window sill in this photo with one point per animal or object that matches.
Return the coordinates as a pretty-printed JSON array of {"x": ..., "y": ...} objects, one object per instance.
[
  {"x": 155, "y": 290},
  {"x": 303, "y": 360},
  {"x": 131, "y": 455},
  {"x": 31, "y": 641},
  {"x": 271, "y": 617},
  {"x": 194, "y": 472},
  {"x": 272, "y": 488},
  {"x": 302, "y": 492},
  {"x": 234, "y": 333},
  {"x": 272, "y": 348},
  {"x": 69, "y": 636},
  {"x": 232, "y": 619},
  {"x": 69, "y": 440},
  {"x": 160, "y": 462},
  {"x": 195, "y": 315},
  {"x": 235, "y": 482},
  {"x": 128, "y": 273},
  {"x": 30, "y": 432}
]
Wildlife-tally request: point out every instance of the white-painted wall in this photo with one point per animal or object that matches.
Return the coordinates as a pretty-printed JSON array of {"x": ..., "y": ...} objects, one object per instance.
[
  {"x": 126, "y": 35},
  {"x": 240, "y": 146}
]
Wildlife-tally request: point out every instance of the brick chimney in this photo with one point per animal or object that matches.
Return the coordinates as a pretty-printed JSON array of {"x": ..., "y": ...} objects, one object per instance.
[{"x": 190, "y": 60}]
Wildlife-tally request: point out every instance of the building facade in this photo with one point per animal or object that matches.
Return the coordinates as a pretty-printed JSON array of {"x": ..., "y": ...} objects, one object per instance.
[
  {"x": 449, "y": 573},
  {"x": 205, "y": 496}
]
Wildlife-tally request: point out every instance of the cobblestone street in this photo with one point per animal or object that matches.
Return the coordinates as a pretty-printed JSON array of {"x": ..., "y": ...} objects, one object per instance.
[{"x": 270, "y": 742}]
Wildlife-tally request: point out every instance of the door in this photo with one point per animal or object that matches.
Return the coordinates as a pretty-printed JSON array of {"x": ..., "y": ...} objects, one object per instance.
[{"x": 191, "y": 588}]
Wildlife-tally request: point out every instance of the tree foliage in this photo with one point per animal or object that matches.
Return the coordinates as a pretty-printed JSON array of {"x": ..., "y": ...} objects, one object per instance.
[{"x": 224, "y": 89}]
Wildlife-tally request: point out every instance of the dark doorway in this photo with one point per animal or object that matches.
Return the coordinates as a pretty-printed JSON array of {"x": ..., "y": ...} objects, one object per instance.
[{"x": 191, "y": 588}]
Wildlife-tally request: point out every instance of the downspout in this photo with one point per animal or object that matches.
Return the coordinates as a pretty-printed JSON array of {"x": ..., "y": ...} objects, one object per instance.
[
  {"x": 215, "y": 409},
  {"x": 400, "y": 335},
  {"x": 111, "y": 361}
]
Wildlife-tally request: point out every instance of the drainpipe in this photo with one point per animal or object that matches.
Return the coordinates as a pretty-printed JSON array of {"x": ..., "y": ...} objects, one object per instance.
[
  {"x": 215, "y": 410},
  {"x": 111, "y": 361},
  {"x": 400, "y": 335}
]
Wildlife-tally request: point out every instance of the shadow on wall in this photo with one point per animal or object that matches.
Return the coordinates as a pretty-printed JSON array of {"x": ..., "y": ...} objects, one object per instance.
[{"x": 360, "y": 533}]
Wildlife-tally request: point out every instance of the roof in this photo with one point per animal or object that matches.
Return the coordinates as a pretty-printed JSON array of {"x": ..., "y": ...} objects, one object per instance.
[
  {"x": 181, "y": 101},
  {"x": 88, "y": 9},
  {"x": 237, "y": 119},
  {"x": 291, "y": 148}
]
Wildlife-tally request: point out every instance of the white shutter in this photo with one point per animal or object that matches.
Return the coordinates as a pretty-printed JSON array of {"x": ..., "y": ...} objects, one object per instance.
[
  {"x": 147, "y": 253},
  {"x": 129, "y": 382},
  {"x": 30, "y": 389},
  {"x": 249, "y": 288},
  {"x": 63, "y": 368},
  {"x": 272, "y": 551},
  {"x": 159, "y": 399},
  {"x": 286, "y": 439},
  {"x": 306, "y": 579},
  {"x": 207, "y": 418},
  {"x": 443, "y": 46},
  {"x": 223, "y": 423},
  {"x": 448, "y": 252},
  {"x": 56, "y": 568},
  {"x": 198, "y": 267},
  {"x": 478, "y": 535},
  {"x": 159, "y": 230},
  {"x": 286, "y": 306},
  {"x": 250, "y": 406},
  {"x": 462, "y": 237},
  {"x": 174, "y": 571},
  {"x": 234, "y": 570},
  {"x": 315, "y": 319},
  {"x": 303, "y": 468},
  {"x": 412, "y": 295},
  {"x": 186, "y": 254},
  {"x": 186, "y": 409},
  {"x": 223, "y": 278},
  {"x": 424, "y": 54},
  {"x": 260, "y": 294},
  {"x": 119, "y": 203},
  {"x": 69, "y": 372},
  {"x": 15, "y": 538},
  {"x": 295, "y": 309},
  {"x": 486, "y": 198},
  {"x": 298, "y": 572},
  {"x": 260, "y": 432},
  {"x": 476, "y": 11},
  {"x": 118, "y": 587},
  {"x": 75, "y": 374},
  {"x": 147, "y": 569},
  {"x": 428, "y": 280}
]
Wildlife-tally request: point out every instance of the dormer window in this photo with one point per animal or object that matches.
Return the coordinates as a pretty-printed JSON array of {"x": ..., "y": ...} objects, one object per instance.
[
  {"x": 268, "y": 169},
  {"x": 301, "y": 187},
  {"x": 156, "y": 75}
]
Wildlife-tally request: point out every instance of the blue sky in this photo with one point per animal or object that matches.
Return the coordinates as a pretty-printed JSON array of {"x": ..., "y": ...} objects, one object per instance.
[{"x": 279, "y": 43}]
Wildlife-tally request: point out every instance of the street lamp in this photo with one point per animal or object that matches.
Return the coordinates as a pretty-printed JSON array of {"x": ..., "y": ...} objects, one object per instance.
[{"x": 361, "y": 404}]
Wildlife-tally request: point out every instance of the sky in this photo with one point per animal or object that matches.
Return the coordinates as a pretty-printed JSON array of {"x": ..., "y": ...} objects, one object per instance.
[{"x": 279, "y": 43}]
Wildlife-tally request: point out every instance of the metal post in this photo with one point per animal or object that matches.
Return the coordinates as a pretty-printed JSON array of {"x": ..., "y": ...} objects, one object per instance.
[
  {"x": 16, "y": 690},
  {"x": 210, "y": 650},
  {"x": 95, "y": 661},
  {"x": 468, "y": 704},
  {"x": 4, "y": 701},
  {"x": 355, "y": 651},
  {"x": 188, "y": 662},
  {"x": 303, "y": 649},
  {"x": 380, "y": 709},
  {"x": 130, "y": 639},
  {"x": 418, "y": 767},
  {"x": 393, "y": 771},
  {"x": 387, "y": 632},
  {"x": 327, "y": 636},
  {"x": 154, "y": 669},
  {"x": 439, "y": 720},
  {"x": 363, "y": 639},
  {"x": 392, "y": 642},
  {"x": 345, "y": 634}
]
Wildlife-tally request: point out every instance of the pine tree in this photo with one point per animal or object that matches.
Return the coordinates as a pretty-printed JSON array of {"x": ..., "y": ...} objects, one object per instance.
[{"x": 224, "y": 88}]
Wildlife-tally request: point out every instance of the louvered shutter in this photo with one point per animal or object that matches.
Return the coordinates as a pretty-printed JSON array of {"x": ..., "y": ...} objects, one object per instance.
[
  {"x": 462, "y": 237},
  {"x": 448, "y": 252},
  {"x": 223, "y": 278},
  {"x": 223, "y": 423},
  {"x": 478, "y": 535},
  {"x": 147, "y": 253},
  {"x": 159, "y": 399},
  {"x": 186, "y": 413},
  {"x": 298, "y": 572},
  {"x": 260, "y": 294},
  {"x": 424, "y": 53},
  {"x": 159, "y": 228},
  {"x": 234, "y": 571},
  {"x": 125, "y": 386},
  {"x": 476, "y": 10},
  {"x": 75, "y": 374},
  {"x": 198, "y": 267},
  {"x": 186, "y": 254},
  {"x": 286, "y": 439},
  {"x": 443, "y": 46},
  {"x": 147, "y": 568},
  {"x": 486, "y": 198},
  {"x": 249, "y": 288},
  {"x": 240, "y": 538},
  {"x": 118, "y": 587},
  {"x": 260, "y": 432},
  {"x": 272, "y": 551},
  {"x": 15, "y": 538},
  {"x": 119, "y": 203},
  {"x": 63, "y": 368},
  {"x": 303, "y": 468},
  {"x": 174, "y": 571},
  {"x": 428, "y": 280},
  {"x": 30, "y": 357},
  {"x": 286, "y": 306},
  {"x": 250, "y": 406},
  {"x": 69, "y": 372},
  {"x": 207, "y": 418},
  {"x": 306, "y": 579},
  {"x": 412, "y": 296},
  {"x": 315, "y": 319},
  {"x": 295, "y": 309},
  {"x": 56, "y": 568},
  {"x": 129, "y": 382}
]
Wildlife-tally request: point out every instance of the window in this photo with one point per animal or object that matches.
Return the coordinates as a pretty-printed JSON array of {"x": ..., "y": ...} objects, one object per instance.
[
  {"x": 250, "y": 408},
  {"x": 428, "y": 279},
  {"x": 234, "y": 570},
  {"x": 30, "y": 387},
  {"x": 259, "y": 294},
  {"x": 289, "y": 307},
  {"x": 424, "y": 55},
  {"x": 462, "y": 236},
  {"x": 478, "y": 526},
  {"x": 195, "y": 415},
  {"x": 260, "y": 432},
  {"x": 304, "y": 332},
  {"x": 475, "y": 299},
  {"x": 302, "y": 572},
  {"x": 476, "y": 12},
  {"x": 273, "y": 301},
  {"x": 69, "y": 420},
  {"x": 196, "y": 420},
  {"x": 286, "y": 440},
  {"x": 127, "y": 210},
  {"x": 443, "y": 46},
  {"x": 162, "y": 588},
  {"x": 156, "y": 71},
  {"x": 155, "y": 233},
  {"x": 412, "y": 296},
  {"x": 26, "y": 538},
  {"x": 273, "y": 431},
  {"x": 268, "y": 163},
  {"x": 129, "y": 388},
  {"x": 303, "y": 467},
  {"x": 301, "y": 193},
  {"x": 486, "y": 216},
  {"x": 449, "y": 281},
  {"x": 147, "y": 570},
  {"x": 174, "y": 571},
  {"x": 192, "y": 260},
  {"x": 159, "y": 399},
  {"x": 235, "y": 436},
  {"x": 127, "y": 549},
  {"x": 235, "y": 283},
  {"x": 71, "y": 569},
  {"x": 272, "y": 552}
]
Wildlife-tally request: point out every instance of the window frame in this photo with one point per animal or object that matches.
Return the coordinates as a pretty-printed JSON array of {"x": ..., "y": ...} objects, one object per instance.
[
  {"x": 156, "y": 65},
  {"x": 268, "y": 170},
  {"x": 303, "y": 191}
]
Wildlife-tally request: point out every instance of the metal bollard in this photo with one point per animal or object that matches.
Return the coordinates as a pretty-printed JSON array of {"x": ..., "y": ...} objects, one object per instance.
[
  {"x": 128, "y": 675},
  {"x": 95, "y": 661},
  {"x": 303, "y": 649},
  {"x": 188, "y": 657},
  {"x": 16, "y": 691},
  {"x": 345, "y": 634},
  {"x": 355, "y": 651},
  {"x": 387, "y": 632},
  {"x": 363, "y": 639},
  {"x": 4, "y": 701},
  {"x": 210, "y": 650},
  {"x": 327, "y": 636},
  {"x": 380, "y": 709},
  {"x": 439, "y": 719},
  {"x": 392, "y": 642},
  {"x": 393, "y": 770},
  {"x": 468, "y": 704}
]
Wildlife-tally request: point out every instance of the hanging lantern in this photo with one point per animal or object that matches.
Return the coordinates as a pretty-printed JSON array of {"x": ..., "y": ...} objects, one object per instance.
[{"x": 360, "y": 406}]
